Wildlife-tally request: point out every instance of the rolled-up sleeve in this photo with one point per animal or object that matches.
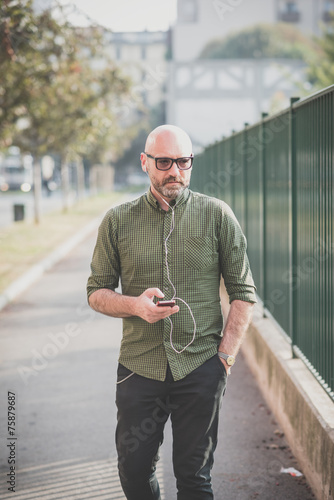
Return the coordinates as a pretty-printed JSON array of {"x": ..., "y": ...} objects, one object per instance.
[
  {"x": 105, "y": 265},
  {"x": 235, "y": 268}
]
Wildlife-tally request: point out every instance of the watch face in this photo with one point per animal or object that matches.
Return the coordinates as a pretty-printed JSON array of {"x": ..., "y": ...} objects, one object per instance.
[{"x": 230, "y": 361}]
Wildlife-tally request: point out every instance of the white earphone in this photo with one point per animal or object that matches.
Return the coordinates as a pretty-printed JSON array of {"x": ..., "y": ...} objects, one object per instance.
[{"x": 170, "y": 281}]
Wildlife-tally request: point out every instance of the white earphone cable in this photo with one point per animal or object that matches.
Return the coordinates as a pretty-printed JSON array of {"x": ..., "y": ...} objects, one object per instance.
[{"x": 174, "y": 294}]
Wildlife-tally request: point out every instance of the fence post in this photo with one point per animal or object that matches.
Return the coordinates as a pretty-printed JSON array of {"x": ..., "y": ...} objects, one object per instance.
[
  {"x": 293, "y": 236},
  {"x": 264, "y": 213}
]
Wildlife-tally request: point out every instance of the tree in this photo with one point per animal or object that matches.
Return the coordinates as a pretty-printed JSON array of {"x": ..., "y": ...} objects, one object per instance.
[
  {"x": 29, "y": 45},
  {"x": 82, "y": 118},
  {"x": 261, "y": 41},
  {"x": 18, "y": 71},
  {"x": 51, "y": 92},
  {"x": 154, "y": 117},
  {"x": 321, "y": 70}
]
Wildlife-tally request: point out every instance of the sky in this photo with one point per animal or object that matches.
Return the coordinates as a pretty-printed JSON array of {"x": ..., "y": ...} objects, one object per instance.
[{"x": 124, "y": 15}]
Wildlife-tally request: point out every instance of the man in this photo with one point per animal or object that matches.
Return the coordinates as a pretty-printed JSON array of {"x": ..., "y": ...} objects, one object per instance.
[{"x": 171, "y": 244}]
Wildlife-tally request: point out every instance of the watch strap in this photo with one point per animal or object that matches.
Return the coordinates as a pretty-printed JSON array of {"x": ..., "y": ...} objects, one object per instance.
[{"x": 226, "y": 357}]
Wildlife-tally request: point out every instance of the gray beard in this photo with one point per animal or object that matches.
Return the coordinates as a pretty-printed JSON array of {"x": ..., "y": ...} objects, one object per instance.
[{"x": 172, "y": 193}]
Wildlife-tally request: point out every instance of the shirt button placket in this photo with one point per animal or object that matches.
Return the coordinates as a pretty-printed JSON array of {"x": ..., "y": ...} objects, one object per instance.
[{"x": 167, "y": 288}]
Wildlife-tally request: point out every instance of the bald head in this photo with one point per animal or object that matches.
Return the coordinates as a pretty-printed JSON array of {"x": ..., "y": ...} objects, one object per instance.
[
  {"x": 170, "y": 141},
  {"x": 167, "y": 141}
]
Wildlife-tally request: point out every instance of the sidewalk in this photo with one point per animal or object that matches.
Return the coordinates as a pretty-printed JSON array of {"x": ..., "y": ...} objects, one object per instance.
[{"x": 59, "y": 358}]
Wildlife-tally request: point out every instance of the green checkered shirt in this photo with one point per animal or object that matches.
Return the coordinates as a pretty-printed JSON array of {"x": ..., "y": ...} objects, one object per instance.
[{"x": 207, "y": 242}]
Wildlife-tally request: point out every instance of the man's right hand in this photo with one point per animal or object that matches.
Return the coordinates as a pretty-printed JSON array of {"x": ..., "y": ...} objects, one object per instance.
[{"x": 146, "y": 309}]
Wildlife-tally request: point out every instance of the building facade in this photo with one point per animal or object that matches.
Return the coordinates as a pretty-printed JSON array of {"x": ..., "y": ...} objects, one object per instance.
[
  {"x": 143, "y": 56},
  {"x": 200, "y": 21},
  {"x": 210, "y": 98}
]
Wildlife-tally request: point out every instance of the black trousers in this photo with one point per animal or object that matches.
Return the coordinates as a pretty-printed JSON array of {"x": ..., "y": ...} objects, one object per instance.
[{"x": 144, "y": 406}]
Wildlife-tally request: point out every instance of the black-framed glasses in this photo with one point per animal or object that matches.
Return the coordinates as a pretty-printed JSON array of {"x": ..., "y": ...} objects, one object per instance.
[{"x": 166, "y": 163}]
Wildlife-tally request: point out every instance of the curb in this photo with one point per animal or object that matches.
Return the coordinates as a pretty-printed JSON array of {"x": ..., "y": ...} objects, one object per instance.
[
  {"x": 301, "y": 406},
  {"x": 37, "y": 270}
]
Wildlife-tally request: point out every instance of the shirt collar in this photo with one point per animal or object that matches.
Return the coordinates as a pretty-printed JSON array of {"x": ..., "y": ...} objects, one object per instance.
[{"x": 179, "y": 200}]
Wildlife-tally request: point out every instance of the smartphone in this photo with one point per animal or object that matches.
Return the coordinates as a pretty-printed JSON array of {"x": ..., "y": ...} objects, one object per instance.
[{"x": 165, "y": 303}]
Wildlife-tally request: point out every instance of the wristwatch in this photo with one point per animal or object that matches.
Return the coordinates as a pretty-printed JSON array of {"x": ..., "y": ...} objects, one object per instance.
[{"x": 230, "y": 360}]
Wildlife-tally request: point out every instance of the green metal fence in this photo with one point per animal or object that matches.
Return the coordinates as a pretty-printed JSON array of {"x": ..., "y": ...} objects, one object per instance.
[{"x": 277, "y": 175}]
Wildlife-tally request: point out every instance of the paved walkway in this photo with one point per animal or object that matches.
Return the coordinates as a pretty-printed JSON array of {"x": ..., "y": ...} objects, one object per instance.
[{"x": 59, "y": 359}]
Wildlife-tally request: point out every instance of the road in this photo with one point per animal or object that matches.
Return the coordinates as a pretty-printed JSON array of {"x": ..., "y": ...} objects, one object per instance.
[{"x": 59, "y": 358}]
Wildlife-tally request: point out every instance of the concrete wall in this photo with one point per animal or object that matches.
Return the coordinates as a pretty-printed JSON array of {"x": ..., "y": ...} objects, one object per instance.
[{"x": 303, "y": 409}]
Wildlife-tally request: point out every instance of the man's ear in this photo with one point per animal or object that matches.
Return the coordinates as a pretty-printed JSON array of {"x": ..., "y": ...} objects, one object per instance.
[{"x": 143, "y": 159}]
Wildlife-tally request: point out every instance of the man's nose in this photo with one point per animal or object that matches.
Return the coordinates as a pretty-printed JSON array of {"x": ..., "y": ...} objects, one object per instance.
[{"x": 174, "y": 170}]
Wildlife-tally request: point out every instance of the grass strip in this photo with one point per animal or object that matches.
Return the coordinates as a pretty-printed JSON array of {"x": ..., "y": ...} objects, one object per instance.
[{"x": 23, "y": 244}]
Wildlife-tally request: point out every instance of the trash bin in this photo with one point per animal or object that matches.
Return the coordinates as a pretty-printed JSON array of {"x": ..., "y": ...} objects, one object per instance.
[{"x": 18, "y": 212}]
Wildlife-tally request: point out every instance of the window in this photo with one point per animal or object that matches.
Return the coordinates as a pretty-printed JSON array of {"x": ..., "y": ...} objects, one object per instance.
[
  {"x": 118, "y": 52},
  {"x": 291, "y": 7},
  {"x": 188, "y": 11},
  {"x": 290, "y": 13},
  {"x": 328, "y": 13}
]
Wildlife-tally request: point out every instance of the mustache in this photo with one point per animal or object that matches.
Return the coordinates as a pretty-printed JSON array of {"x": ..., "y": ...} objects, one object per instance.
[{"x": 172, "y": 179}]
